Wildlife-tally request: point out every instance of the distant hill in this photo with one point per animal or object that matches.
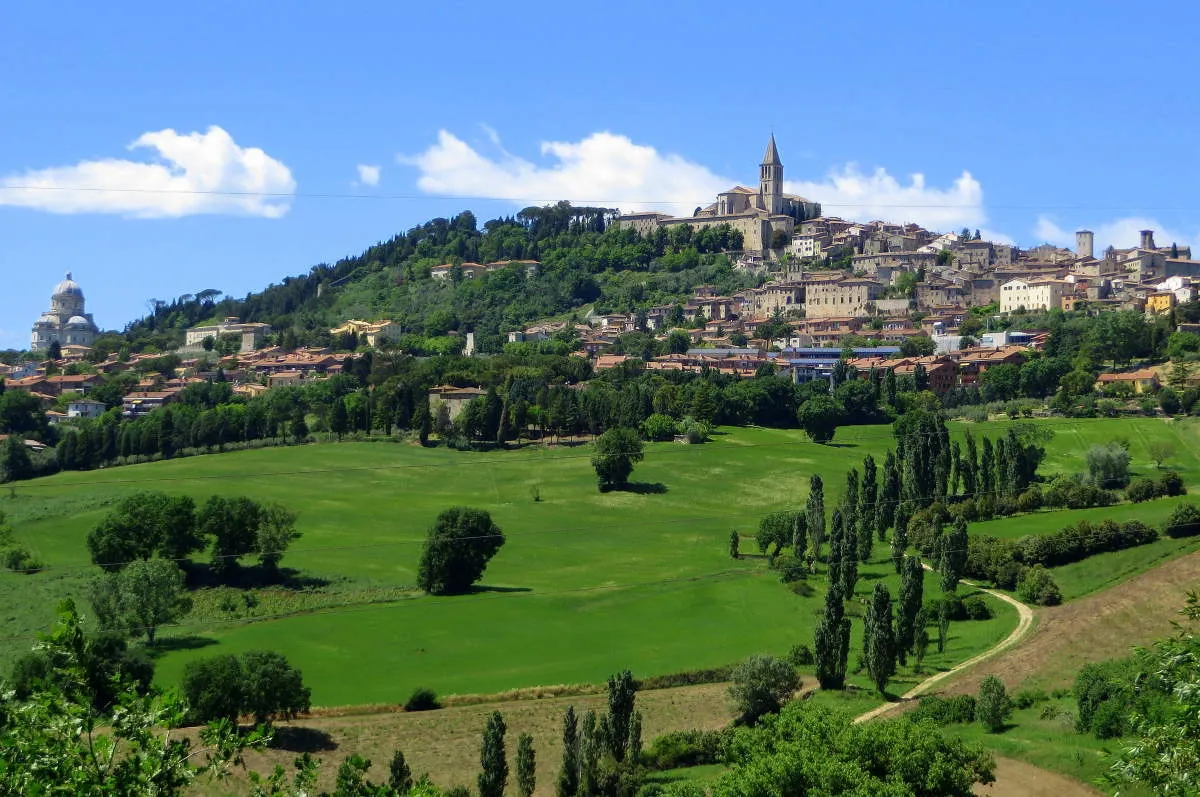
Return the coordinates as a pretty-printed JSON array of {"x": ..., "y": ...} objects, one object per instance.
[{"x": 583, "y": 259}]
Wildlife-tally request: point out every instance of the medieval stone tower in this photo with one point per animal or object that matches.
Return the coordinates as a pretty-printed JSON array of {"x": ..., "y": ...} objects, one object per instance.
[{"x": 770, "y": 179}]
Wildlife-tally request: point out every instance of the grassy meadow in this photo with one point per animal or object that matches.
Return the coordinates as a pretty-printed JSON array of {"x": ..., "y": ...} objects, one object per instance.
[{"x": 587, "y": 583}]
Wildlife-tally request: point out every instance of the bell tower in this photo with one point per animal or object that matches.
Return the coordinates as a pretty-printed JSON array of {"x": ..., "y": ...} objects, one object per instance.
[{"x": 770, "y": 179}]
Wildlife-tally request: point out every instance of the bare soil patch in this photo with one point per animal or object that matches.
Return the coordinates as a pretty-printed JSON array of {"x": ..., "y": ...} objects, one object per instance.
[{"x": 1018, "y": 779}]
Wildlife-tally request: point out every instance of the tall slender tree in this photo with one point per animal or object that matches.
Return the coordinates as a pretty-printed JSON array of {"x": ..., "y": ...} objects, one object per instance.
[
  {"x": 568, "y": 772},
  {"x": 836, "y": 544},
  {"x": 912, "y": 589},
  {"x": 493, "y": 764},
  {"x": 879, "y": 641},
  {"x": 622, "y": 691},
  {"x": 831, "y": 641},
  {"x": 899, "y": 543},
  {"x": 815, "y": 511},
  {"x": 954, "y": 555},
  {"x": 868, "y": 491},
  {"x": 526, "y": 766},
  {"x": 849, "y": 574},
  {"x": 889, "y": 494},
  {"x": 970, "y": 466},
  {"x": 987, "y": 468}
]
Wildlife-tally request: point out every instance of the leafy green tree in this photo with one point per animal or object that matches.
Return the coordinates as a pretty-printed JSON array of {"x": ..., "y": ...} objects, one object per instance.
[
  {"x": 214, "y": 687},
  {"x": 55, "y": 741},
  {"x": 273, "y": 688},
  {"x": 233, "y": 524},
  {"x": 339, "y": 421},
  {"x": 831, "y": 641},
  {"x": 992, "y": 707},
  {"x": 141, "y": 597},
  {"x": 526, "y": 766},
  {"x": 1108, "y": 465},
  {"x": 906, "y": 758},
  {"x": 568, "y": 772},
  {"x": 143, "y": 525},
  {"x": 15, "y": 463},
  {"x": 912, "y": 597},
  {"x": 820, "y": 417},
  {"x": 617, "y": 450},
  {"x": 1160, "y": 451},
  {"x": 920, "y": 639},
  {"x": 761, "y": 684},
  {"x": 493, "y": 764},
  {"x": 457, "y": 550},
  {"x": 734, "y": 544},
  {"x": 879, "y": 642},
  {"x": 276, "y": 531}
]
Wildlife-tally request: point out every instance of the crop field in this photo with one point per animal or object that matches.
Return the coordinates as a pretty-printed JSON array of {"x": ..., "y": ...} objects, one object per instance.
[{"x": 587, "y": 584}]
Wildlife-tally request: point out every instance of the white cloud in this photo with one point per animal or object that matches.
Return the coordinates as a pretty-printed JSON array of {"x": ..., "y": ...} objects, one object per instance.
[
  {"x": 602, "y": 169},
  {"x": 609, "y": 169},
  {"x": 368, "y": 175},
  {"x": 853, "y": 194},
  {"x": 191, "y": 174},
  {"x": 1121, "y": 233}
]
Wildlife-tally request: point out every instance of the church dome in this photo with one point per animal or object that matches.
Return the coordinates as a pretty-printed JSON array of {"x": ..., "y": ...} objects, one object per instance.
[
  {"x": 68, "y": 287},
  {"x": 78, "y": 321}
]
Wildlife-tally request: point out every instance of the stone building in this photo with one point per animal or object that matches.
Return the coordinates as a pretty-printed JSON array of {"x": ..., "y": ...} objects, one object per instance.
[
  {"x": 251, "y": 334},
  {"x": 1031, "y": 294},
  {"x": 757, "y": 214},
  {"x": 849, "y": 296},
  {"x": 66, "y": 322}
]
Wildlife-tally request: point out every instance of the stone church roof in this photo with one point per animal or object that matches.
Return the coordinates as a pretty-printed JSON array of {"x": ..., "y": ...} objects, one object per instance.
[{"x": 771, "y": 156}]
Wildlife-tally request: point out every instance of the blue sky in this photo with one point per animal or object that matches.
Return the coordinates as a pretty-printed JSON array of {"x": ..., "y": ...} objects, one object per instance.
[{"x": 235, "y": 132}]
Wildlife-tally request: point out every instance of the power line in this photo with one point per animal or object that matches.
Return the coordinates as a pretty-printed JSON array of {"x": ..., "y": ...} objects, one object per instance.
[{"x": 550, "y": 200}]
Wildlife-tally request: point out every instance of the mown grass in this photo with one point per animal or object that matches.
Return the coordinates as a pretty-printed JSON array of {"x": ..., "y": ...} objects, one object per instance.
[{"x": 587, "y": 584}]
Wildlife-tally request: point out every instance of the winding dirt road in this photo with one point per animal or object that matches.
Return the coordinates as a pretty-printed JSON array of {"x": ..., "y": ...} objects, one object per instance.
[{"x": 1024, "y": 623}]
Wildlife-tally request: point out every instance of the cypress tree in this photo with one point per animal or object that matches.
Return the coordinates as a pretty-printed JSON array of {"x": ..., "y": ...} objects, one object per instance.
[
  {"x": 920, "y": 638},
  {"x": 526, "y": 766},
  {"x": 889, "y": 494},
  {"x": 849, "y": 559},
  {"x": 879, "y": 642},
  {"x": 868, "y": 492},
  {"x": 492, "y": 762},
  {"x": 836, "y": 539},
  {"x": 815, "y": 511},
  {"x": 850, "y": 499},
  {"x": 799, "y": 535},
  {"x": 889, "y": 387},
  {"x": 831, "y": 641},
  {"x": 943, "y": 625},
  {"x": 955, "y": 467},
  {"x": 864, "y": 534},
  {"x": 899, "y": 543},
  {"x": 568, "y": 773},
  {"x": 399, "y": 774},
  {"x": 912, "y": 596},
  {"x": 1000, "y": 479},
  {"x": 954, "y": 555}
]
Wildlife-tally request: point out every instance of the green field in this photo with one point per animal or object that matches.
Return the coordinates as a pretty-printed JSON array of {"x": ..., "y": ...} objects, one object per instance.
[{"x": 588, "y": 583}]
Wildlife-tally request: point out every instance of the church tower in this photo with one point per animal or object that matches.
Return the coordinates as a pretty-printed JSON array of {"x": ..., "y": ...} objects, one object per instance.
[{"x": 770, "y": 179}]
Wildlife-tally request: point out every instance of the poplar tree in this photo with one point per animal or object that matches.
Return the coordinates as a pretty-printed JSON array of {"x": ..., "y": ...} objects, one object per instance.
[
  {"x": 1000, "y": 478},
  {"x": 815, "y": 511},
  {"x": 920, "y": 638},
  {"x": 849, "y": 559},
  {"x": 831, "y": 641},
  {"x": 492, "y": 761},
  {"x": 955, "y": 467},
  {"x": 864, "y": 534},
  {"x": 868, "y": 492},
  {"x": 850, "y": 498},
  {"x": 970, "y": 466},
  {"x": 954, "y": 555},
  {"x": 622, "y": 691},
  {"x": 589, "y": 753},
  {"x": 889, "y": 493},
  {"x": 568, "y": 773},
  {"x": 912, "y": 596},
  {"x": 899, "y": 543},
  {"x": 987, "y": 468},
  {"x": 836, "y": 539},
  {"x": 526, "y": 766},
  {"x": 879, "y": 641}
]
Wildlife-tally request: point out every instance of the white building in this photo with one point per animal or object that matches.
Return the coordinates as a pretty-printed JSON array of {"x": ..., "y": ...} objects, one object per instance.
[
  {"x": 66, "y": 322},
  {"x": 85, "y": 408},
  {"x": 1036, "y": 294},
  {"x": 251, "y": 334}
]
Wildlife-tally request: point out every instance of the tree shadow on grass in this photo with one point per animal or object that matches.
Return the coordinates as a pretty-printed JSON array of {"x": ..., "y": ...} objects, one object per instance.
[
  {"x": 201, "y": 574},
  {"x": 643, "y": 488},
  {"x": 302, "y": 739},
  {"x": 487, "y": 588},
  {"x": 871, "y": 576},
  {"x": 842, "y": 445},
  {"x": 164, "y": 645}
]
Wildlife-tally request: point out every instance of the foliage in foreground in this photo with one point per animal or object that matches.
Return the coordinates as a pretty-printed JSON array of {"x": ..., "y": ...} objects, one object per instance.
[{"x": 812, "y": 750}]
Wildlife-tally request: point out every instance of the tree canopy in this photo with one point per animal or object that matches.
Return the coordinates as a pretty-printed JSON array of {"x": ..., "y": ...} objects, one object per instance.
[{"x": 457, "y": 550}]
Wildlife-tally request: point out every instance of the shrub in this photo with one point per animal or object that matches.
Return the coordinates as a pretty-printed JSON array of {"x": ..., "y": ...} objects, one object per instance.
[
  {"x": 761, "y": 684},
  {"x": 20, "y": 560},
  {"x": 955, "y": 609},
  {"x": 791, "y": 568},
  {"x": 422, "y": 699},
  {"x": 1172, "y": 484},
  {"x": 993, "y": 706},
  {"x": 801, "y": 656},
  {"x": 1037, "y": 586},
  {"x": 1184, "y": 521},
  {"x": 658, "y": 427},
  {"x": 1141, "y": 490},
  {"x": 1030, "y": 500},
  {"x": 977, "y": 608},
  {"x": 685, "y": 749},
  {"x": 1028, "y": 698}
]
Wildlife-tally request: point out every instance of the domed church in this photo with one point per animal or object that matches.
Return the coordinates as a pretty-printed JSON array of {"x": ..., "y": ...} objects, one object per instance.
[{"x": 65, "y": 322}]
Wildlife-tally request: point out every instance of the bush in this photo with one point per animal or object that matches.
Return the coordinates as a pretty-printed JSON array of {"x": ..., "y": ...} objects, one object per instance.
[
  {"x": 1028, "y": 698},
  {"x": 258, "y": 682},
  {"x": 801, "y": 656},
  {"x": 1141, "y": 490},
  {"x": 761, "y": 684},
  {"x": 993, "y": 707},
  {"x": 1171, "y": 484},
  {"x": 1184, "y": 521},
  {"x": 955, "y": 609},
  {"x": 422, "y": 699},
  {"x": 977, "y": 608},
  {"x": 1031, "y": 500},
  {"x": 1037, "y": 586},
  {"x": 20, "y": 560},
  {"x": 791, "y": 568},
  {"x": 685, "y": 749},
  {"x": 959, "y": 709},
  {"x": 658, "y": 427}
]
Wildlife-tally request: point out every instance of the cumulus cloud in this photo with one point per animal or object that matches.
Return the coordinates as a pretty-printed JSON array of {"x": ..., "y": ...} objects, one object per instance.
[
  {"x": 1121, "y": 233},
  {"x": 603, "y": 169},
  {"x": 610, "y": 169},
  {"x": 185, "y": 175},
  {"x": 368, "y": 175},
  {"x": 854, "y": 194}
]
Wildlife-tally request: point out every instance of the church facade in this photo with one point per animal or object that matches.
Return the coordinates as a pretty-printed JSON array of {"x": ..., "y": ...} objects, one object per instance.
[
  {"x": 758, "y": 215},
  {"x": 67, "y": 322}
]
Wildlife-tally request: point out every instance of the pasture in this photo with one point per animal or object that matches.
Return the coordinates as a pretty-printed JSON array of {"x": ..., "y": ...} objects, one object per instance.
[{"x": 587, "y": 584}]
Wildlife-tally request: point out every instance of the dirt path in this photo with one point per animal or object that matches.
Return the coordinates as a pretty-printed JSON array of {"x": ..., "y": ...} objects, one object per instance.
[
  {"x": 1024, "y": 623},
  {"x": 1018, "y": 779}
]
